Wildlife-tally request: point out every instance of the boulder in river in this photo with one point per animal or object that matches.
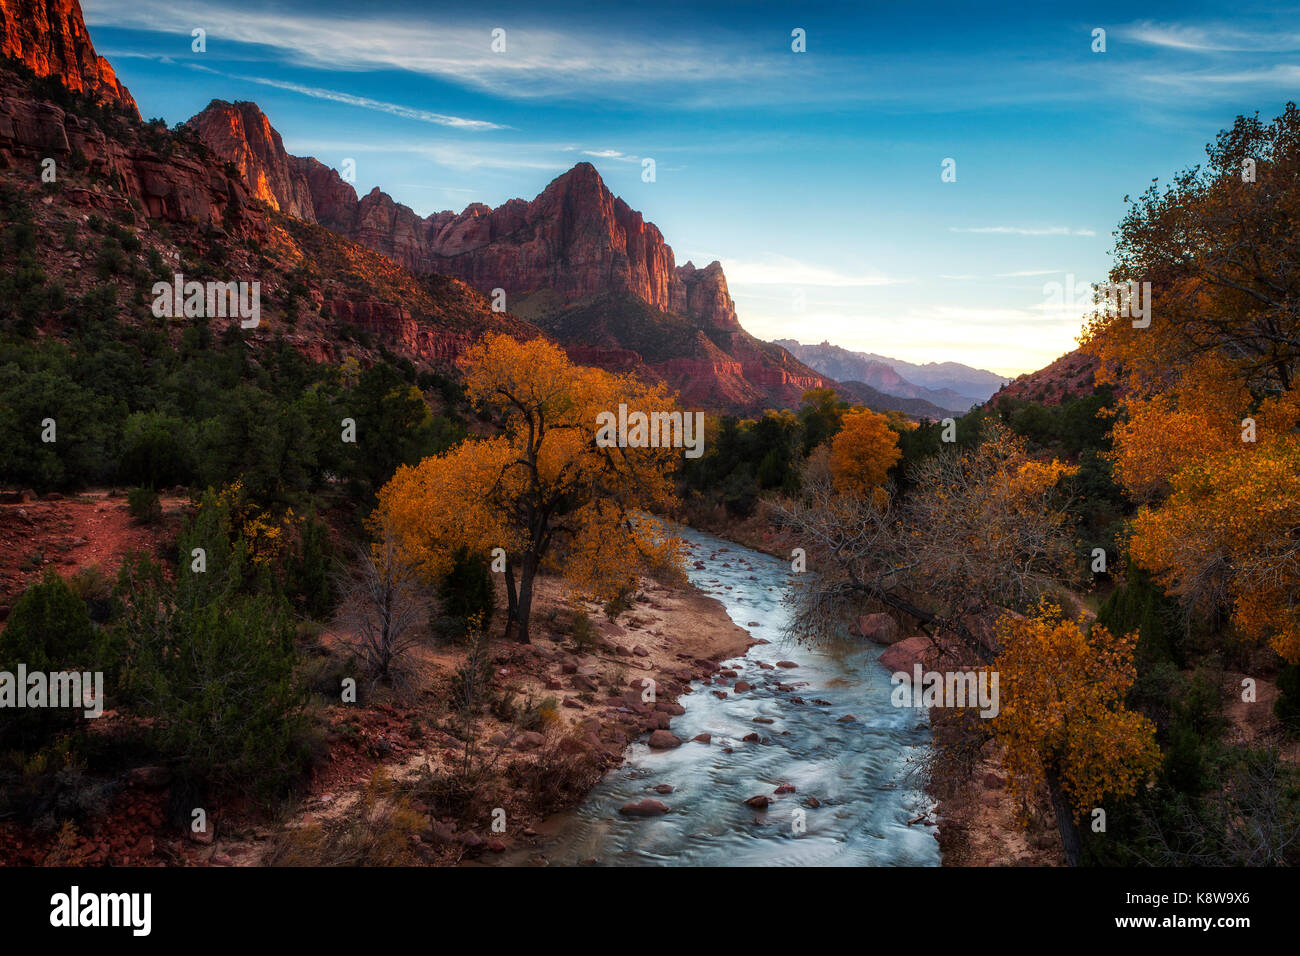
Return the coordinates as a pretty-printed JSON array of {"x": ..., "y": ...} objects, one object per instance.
[
  {"x": 664, "y": 740},
  {"x": 878, "y": 628},
  {"x": 761, "y": 802},
  {"x": 643, "y": 808},
  {"x": 905, "y": 654}
]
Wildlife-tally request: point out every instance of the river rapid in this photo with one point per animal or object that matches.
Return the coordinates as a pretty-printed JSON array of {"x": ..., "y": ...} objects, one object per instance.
[{"x": 860, "y": 771}]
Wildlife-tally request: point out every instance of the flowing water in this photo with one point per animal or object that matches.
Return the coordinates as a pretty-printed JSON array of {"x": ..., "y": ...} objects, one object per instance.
[{"x": 859, "y": 770}]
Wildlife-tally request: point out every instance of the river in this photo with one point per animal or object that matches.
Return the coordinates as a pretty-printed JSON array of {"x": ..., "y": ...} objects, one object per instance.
[{"x": 859, "y": 771}]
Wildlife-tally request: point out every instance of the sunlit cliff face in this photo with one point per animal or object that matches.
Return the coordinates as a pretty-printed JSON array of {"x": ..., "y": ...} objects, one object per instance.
[{"x": 50, "y": 38}]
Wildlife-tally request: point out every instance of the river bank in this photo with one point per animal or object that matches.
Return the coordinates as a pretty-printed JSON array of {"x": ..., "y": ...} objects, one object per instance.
[{"x": 739, "y": 749}]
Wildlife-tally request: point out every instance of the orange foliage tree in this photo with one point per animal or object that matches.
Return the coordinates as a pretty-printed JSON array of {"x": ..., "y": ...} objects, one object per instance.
[
  {"x": 1207, "y": 436},
  {"x": 863, "y": 452},
  {"x": 540, "y": 488},
  {"x": 1062, "y": 719}
]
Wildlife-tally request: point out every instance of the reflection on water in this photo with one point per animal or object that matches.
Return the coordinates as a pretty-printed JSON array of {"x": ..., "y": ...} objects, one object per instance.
[{"x": 858, "y": 770}]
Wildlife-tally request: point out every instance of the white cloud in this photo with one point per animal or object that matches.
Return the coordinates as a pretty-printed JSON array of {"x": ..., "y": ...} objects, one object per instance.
[
  {"x": 538, "y": 61},
  {"x": 1216, "y": 39}
]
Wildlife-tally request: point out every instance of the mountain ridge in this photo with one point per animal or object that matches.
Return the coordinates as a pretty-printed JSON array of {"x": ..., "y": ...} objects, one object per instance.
[{"x": 571, "y": 248}]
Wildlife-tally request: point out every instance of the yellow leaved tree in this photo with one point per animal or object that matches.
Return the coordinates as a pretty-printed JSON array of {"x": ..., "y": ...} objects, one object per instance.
[
  {"x": 863, "y": 452},
  {"x": 540, "y": 488},
  {"x": 1062, "y": 720},
  {"x": 1206, "y": 438}
]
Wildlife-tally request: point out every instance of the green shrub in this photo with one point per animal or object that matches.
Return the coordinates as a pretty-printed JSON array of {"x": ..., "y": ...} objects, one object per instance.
[
  {"x": 143, "y": 505},
  {"x": 466, "y": 592},
  {"x": 1287, "y": 705},
  {"x": 48, "y": 630},
  {"x": 307, "y": 574}
]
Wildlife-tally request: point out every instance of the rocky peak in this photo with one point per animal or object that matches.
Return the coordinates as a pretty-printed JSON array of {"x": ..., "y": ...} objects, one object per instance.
[
  {"x": 50, "y": 38},
  {"x": 707, "y": 297},
  {"x": 241, "y": 133}
]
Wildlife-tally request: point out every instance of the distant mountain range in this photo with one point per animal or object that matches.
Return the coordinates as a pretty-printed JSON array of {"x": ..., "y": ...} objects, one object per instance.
[{"x": 949, "y": 386}]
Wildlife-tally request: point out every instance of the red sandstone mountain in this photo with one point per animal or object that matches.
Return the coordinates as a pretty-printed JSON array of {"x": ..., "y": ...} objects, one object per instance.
[
  {"x": 49, "y": 37},
  {"x": 576, "y": 248},
  {"x": 324, "y": 295}
]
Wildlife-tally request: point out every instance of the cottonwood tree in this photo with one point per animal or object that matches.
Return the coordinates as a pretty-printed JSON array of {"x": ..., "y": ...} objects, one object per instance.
[
  {"x": 540, "y": 488},
  {"x": 1207, "y": 434},
  {"x": 982, "y": 530},
  {"x": 1062, "y": 720},
  {"x": 862, "y": 452}
]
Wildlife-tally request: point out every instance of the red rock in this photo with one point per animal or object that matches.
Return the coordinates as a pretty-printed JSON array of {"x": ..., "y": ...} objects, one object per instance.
[
  {"x": 720, "y": 694},
  {"x": 761, "y": 802},
  {"x": 664, "y": 740},
  {"x": 812, "y": 802},
  {"x": 904, "y": 654},
  {"x": 643, "y": 808},
  {"x": 847, "y": 719},
  {"x": 703, "y": 738},
  {"x": 50, "y": 38},
  {"x": 750, "y": 738},
  {"x": 878, "y": 628},
  {"x": 786, "y": 664},
  {"x": 785, "y": 788},
  {"x": 664, "y": 788},
  {"x": 742, "y": 686},
  {"x": 496, "y": 846}
]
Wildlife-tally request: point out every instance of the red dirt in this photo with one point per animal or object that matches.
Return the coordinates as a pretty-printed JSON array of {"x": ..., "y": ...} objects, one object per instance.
[{"x": 74, "y": 533}]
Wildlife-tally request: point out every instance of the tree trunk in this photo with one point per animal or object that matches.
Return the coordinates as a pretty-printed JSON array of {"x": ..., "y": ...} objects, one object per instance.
[
  {"x": 524, "y": 609},
  {"x": 1065, "y": 821},
  {"x": 512, "y": 601}
]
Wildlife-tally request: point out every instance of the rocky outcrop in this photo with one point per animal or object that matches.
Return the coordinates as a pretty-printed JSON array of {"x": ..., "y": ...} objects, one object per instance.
[
  {"x": 50, "y": 38},
  {"x": 241, "y": 134},
  {"x": 174, "y": 187},
  {"x": 397, "y": 328},
  {"x": 334, "y": 202},
  {"x": 705, "y": 296}
]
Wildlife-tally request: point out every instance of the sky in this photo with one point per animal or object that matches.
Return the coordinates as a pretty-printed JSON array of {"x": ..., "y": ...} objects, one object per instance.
[{"x": 815, "y": 177}]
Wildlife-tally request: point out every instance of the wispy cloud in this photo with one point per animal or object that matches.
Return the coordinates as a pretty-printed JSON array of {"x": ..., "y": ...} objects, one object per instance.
[
  {"x": 1202, "y": 82},
  {"x": 393, "y": 109},
  {"x": 537, "y": 61},
  {"x": 1025, "y": 231},
  {"x": 611, "y": 154},
  {"x": 452, "y": 155},
  {"x": 1209, "y": 39}
]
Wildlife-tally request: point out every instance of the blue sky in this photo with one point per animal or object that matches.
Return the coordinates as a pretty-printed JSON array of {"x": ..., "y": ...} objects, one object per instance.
[{"x": 814, "y": 177}]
